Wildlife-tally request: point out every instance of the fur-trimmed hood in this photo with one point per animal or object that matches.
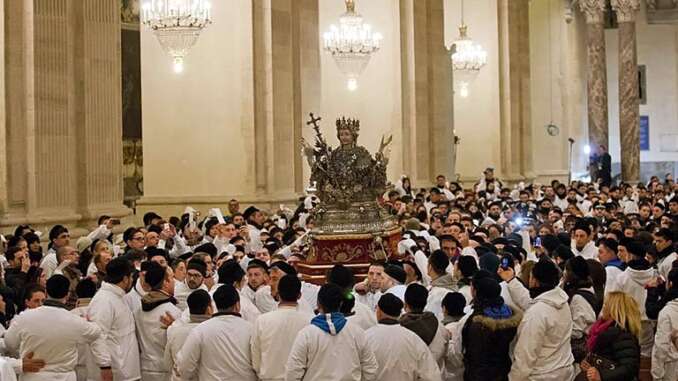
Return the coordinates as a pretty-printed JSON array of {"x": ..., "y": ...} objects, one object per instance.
[{"x": 499, "y": 324}]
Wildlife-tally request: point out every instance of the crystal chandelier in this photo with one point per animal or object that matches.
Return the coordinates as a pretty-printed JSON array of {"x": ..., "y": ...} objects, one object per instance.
[
  {"x": 467, "y": 58},
  {"x": 177, "y": 25},
  {"x": 351, "y": 44}
]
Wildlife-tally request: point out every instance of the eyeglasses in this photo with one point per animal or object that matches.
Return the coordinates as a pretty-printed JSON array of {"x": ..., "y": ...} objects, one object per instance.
[{"x": 194, "y": 275}]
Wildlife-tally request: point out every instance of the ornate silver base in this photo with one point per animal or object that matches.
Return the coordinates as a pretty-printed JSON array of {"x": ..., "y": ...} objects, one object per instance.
[{"x": 358, "y": 218}]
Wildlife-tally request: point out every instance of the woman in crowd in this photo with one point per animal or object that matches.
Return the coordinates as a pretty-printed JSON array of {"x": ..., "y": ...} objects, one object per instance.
[{"x": 614, "y": 352}]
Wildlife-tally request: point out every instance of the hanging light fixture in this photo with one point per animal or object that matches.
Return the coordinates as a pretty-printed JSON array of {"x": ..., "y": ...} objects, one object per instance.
[
  {"x": 351, "y": 44},
  {"x": 177, "y": 24},
  {"x": 467, "y": 58}
]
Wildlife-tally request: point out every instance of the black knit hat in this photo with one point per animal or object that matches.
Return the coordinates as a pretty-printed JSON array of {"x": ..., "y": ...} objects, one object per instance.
[
  {"x": 396, "y": 272},
  {"x": 487, "y": 289},
  {"x": 390, "y": 304},
  {"x": 579, "y": 267}
]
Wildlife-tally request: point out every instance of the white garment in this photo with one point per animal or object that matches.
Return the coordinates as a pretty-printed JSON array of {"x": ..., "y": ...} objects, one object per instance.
[
  {"x": 264, "y": 300},
  {"x": 153, "y": 339},
  {"x": 363, "y": 316},
  {"x": 53, "y": 334},
  {"x": 319, "y": 356},
  {"x": 401, "y": 354},
  {"x": 309, "y": 292},
  {"x": 454, "y": 361},
  {"x": 177, "y": 334},
  {"x": 439, "y": 345},
  {"x": 611, "y": 275},
  {"x": 435, "y": 300},
  {"x": 81, "y": 370},
  {"x": 116, "y": 321},
  {"x": 542, "y": 350},
  {"x": 664, "y": 352},
  {"x": 666, "y": 264},
  {"x": 589, "y": 251},
  {"x": 583, "y": 315},
  {"x": 272, "y": 337},
  {"x": 466, "y": 291},
  {"x": 182, "y": 291},
  {"x": 633, "y": 282},
  {"x": 101, "y": 232},
  {"x": 218, "y": 349},
  {"x": 133, "y": 297},
  {"x": 397, "y": 290},
  {"x": 49, "y": 263},
  {"x": 370, "y": 299},
  {"x": 7, "y": 372}
]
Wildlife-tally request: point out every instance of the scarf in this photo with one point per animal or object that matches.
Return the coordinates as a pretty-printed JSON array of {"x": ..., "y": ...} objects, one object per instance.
[
  {"x": 331, "y": 323},
  {"x": 597, "y": 328},
  {"x": 501, "y": 312},
  {"x": 616, "y": 263}
]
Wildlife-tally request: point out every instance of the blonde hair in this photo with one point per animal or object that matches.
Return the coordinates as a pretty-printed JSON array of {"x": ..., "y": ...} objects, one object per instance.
[
  {"x": 623, "y": 309},
  {"x": 100, "y": 246}
]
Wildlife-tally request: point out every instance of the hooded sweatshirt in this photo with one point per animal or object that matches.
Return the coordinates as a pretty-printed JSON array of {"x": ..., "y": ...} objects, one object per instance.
[
  {"x": 436, "y": 293},
  {"x": 665, "y": 353},
  {"x": 632, "y": 282},
  {"x": 331, "y": 348},
  {"x": 434, "y": 334},
  {"x": 152, "y": 336},
  {"x": 542, "y": 350}
]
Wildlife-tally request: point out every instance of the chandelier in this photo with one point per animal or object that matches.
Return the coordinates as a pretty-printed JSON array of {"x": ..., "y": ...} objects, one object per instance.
[
  {"x": 176, "y": 24},
  {"x": 467, "y": 58},
  {"x": 351, "y": 44}
]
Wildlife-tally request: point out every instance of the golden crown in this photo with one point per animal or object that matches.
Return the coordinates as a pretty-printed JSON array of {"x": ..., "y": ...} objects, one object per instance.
[{"x": 352, "y": 125}]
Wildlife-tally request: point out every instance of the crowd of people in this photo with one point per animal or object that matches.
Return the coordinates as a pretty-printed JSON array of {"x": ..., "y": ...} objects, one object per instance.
[{"x": 535, "y": 282}]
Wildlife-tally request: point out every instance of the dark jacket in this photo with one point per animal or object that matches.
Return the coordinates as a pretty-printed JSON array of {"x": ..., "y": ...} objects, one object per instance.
[
  {"x": 622, "y": 348},
  {"x": 486, "y": 344},
  {"x": 657, "y": 297},
  {"x": 425, "y": 325}
]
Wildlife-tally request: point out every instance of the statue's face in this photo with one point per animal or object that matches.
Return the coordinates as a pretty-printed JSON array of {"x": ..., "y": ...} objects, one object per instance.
[{"x": 345, "y": 137}]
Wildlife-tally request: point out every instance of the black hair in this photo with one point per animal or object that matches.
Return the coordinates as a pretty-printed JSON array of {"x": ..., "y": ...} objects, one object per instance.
[
  {"x": 289, "y": 288},
  {"x": 329, "y": 297},
  {"x": 226, "y": 297},
  {"x": 198, "y": 301},
  {"x": 58, "y": 286},
  {"x": 86, "y": 288},
  {"x": 416, "y": 297}
]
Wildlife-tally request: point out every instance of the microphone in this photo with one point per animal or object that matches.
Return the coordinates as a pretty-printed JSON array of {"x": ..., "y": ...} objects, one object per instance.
[{"x": 570, "y": 140}]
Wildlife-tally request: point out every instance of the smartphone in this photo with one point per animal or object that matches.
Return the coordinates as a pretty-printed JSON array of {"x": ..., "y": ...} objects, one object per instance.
[
  {"x": 537, "y": 242},
  {"x": 505, "y": 263},
  {"x": 115, "y": 221}
]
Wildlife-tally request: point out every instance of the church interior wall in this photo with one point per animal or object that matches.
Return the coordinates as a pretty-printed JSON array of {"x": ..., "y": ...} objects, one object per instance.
[
  {"x": 197, "y": 124},
  {"x": 476, "y": 117},
  {"x": 657, "y": 46},
  {"x": 377, "y": 100}
]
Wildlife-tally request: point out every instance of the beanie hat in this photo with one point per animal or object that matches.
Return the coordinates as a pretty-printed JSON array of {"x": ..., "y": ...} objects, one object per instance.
[
  {"x": 489, "y": 262},
  {"x": 390, "y": 304},
  {"x": 198, "y": 265},
  {"x": 396, "y": 272},
  {"x": 579, "y": 267},
  {"x": 486, "y": 288},
  {"x": 546, "y": 272}
]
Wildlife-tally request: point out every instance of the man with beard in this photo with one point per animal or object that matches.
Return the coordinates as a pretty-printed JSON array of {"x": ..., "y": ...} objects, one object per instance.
[
  {"x": 494, "y": 212},
  {"x": 542, "y": 350},
  {"x": 582, "y": 243},
  {"x": 255, "y": 223},
  {"x": 196, "y": 271},
  {"x": 116, "y": 321}
]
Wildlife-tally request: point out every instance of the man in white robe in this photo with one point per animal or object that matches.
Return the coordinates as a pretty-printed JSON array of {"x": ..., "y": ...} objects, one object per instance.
[
  {"x": 196, "y": 271},
  {"x": 441, "y": 282},
  {"x": 219, "y": 348},
  {"x": 152, "y": 336},
  {"x": 393, "y": 281},
  {"x": 368, "y": 292},
  {"x": 274, "y": 332},
  {"x": 400, "y": 353},
  {"x": 331, "y": 348},
  {"x": 200, "y": 308},
  {"x": 110, "y": 312},
  {"x": 52, "y": 333}
]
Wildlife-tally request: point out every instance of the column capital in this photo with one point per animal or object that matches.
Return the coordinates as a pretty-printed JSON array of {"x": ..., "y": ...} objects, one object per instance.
[
  {"x": 626, "y": 9},
  {"x": 594, "y": 10}
]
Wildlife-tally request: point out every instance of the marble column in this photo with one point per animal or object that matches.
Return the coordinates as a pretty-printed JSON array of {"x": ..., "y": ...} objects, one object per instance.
[
  {"x": 514, "y": 89},
  {"x": 594, "y": 11},
  {"x": 62, "y": 124},
  {"x": 629, "y": 102},
  {"x": 427, "y": 99},
  {"x": 286, "y": 90}
]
